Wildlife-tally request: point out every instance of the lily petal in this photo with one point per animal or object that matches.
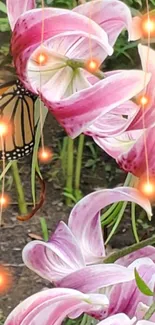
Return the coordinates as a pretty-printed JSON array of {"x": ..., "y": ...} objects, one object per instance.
[
  {"x": 122, "y": 294},
  {"x": 119, "y": 319},
  {"x": 136, "y": 30},
  {"x": 84, "y": 219},
  {"x": 77, "y": 112},
  {"x": 134, "y": 160},
  {"x": 148, "y": 251},
  {"x": 15, "y": 9},
  {"x": 115, "y": 147},
  {"x": 55, "y": 259},
  {"x": 94, "y": 277},
  {"x": 112, "y": 15},
  {"x": 48, "y": 307},
  {"x": 141, "y": 311},
  {"x": 148, "y": 114},
  {"x": 145, "y": 322}
]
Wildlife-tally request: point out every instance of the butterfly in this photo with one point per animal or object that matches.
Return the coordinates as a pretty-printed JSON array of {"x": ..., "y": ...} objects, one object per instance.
[{"x": 17, "y": 106}]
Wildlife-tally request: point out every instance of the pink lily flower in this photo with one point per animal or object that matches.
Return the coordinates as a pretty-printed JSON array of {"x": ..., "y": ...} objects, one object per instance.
[
  {"x": 123, "y": 319},
  {"x": 131, "y": 301},
  {"x": 51, "y": 306},
  {"x": 71, "y": 94},
  {"x": 71, "y": 252},
  {"x": 124, "y": 141}
]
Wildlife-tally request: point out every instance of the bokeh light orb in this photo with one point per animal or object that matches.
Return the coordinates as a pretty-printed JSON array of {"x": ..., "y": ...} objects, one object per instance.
[
  {"x": 4, "y": 200},
  {"x": 6, "y": 279},
  {"x": 147, "y": 188},
  {"x": 45, "y": 155},
  {"x": 148, "y": 25},
  {"x": 92, "y": 65},
  {"x": 41, "y": 57},
  {"x": 143, "y": 100},
  {"x": 4, "y": 129}
]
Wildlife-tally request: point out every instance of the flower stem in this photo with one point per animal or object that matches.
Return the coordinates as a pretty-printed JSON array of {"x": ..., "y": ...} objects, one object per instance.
[
  {"x": 79, "y": 164},
  {"x": 63, "y": 155},
  {"x": 115, "y": 205},
  {"x": 19, "y": 188},
  {"x": 150, "y": 312},
  {"x": 127, "y": 250},
  {"x": 76, "y": 64},
  {"x": 133, "y": 220},
  {"x": 70, "y": 160}
]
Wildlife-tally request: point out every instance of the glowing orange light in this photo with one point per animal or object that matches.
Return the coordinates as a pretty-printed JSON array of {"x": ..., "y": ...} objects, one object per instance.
[
  {"x": 143, "y": 100},
  {"x": 5, "y": 279},
  {"x": 4, "y": 200},
  {"x": 41, "y": 58},
  {"x": 148, "y": 25},
  {"x": 3, "y": 129},
  {"x": 92, "y": 65},
  {"x": 148, "y": 188},
  {"x": 45, "y": 155}
]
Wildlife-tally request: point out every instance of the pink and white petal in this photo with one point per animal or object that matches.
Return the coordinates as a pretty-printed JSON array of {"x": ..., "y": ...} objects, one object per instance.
[
  {"x": 112, "y": 15},
  {"x": 128, "y": 108},
  {"x": 145, "y": 322},
  {"x": 148, "y": 251},
  {"x": 77, "y": 112},
  {"x": 134, "y": 160},
  {"x": 118, "y": 319},
  {"x": 136, "y": 31},
  {"x": 148, "y": 114},
  {"x": 122, "y": 294},
  {"x": 141, "y": 311},
  {"x": 15, "y": 9},
  {"x": 55, "y": 259},
  {"x": 119, "y": 145},
  {"x": 94, "y": 277},
  {"x": 98, "y": 309},
  {"x": 26, "y": 35},
  {"x": 113, "y": 124},
  {"x": 84, "y": 219},
  {"x": 48, "y": 307}
]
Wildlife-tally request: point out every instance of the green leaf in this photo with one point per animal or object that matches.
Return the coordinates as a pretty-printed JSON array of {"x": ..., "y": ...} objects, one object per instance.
[
  {"x": 36, "y": 146},
  {"x": 44, "y": 228},
  {"x": 142, "y": 286},
  {"x": 4, "y": 25},
  {"x": 3, "y": 7}
]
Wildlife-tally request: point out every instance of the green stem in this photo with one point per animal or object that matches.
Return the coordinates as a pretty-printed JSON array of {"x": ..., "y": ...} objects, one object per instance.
[
  {"x": 119, "y": 218},
  {"x": 150, "y": 312},
  {"x": 44, "y": 228},
  {"x": 127, "y": 250},
  {"x": 133, "y": 220},
  {"x": 112, "y": 216},
  {"x": 76, "y": 64},
  {"x": 79, "y": 162},
  {"x": 70, "y": 160},
  {"x": 63, "y": 154},
  {"x": 19, "y": 188},
  {"x": 114, "y": 205}
]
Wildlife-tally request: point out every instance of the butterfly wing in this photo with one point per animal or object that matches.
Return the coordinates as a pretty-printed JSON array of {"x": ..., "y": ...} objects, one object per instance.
[{"x": 17, "y": 110}]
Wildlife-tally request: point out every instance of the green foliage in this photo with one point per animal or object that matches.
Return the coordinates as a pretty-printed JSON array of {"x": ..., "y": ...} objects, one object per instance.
[
  {"x": 142, "y": 286},
  {"x": 4, "y": 24},
  {"x": 44, "y": 228},
  {"x": 139, "y": 4},
  {"x": 67, "y": 4},
  {"x": 3, "y": 7}
]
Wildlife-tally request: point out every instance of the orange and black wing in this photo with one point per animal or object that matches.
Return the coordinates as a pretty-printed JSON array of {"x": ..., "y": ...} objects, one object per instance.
[{"x": 17, "y": 110}]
